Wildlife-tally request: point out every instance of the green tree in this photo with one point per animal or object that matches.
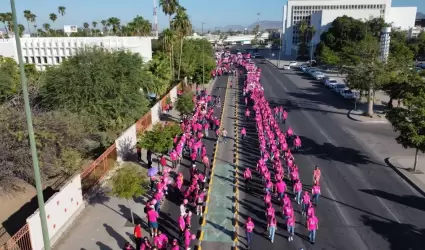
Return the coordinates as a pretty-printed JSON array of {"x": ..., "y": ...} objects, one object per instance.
[
  {"x": 53, "y": 17},
  {"x": 166, "y": 38},
  {"x": 9, "y": 78},
  {"x": 129, "y": 183},
  {"x": 184, "y": 104},
  {"x": 115, "y": 22},
  {"x": 160, "y": 138},
  {"x": 139, "y": 27},
  {"x": 329, "y": 57},
  {"x": 101, "y": 84},
  {"x": 46, "y": 27},
  {"x": 369, "y": 73},
  {"x": 28, "y": 15},
  {"x": 181, "y": 24},
  {"x": 409, "y": 121},
  {"x": 61, "y": 10}
]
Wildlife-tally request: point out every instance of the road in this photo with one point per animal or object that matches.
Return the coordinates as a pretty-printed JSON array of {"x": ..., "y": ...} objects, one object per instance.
[
  {"x": 364, "y": 204},
  {"x": 170, "y": 210}
]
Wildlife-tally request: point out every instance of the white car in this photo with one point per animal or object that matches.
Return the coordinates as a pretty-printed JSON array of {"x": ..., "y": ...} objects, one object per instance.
[
  {"x": 286, "y": 67},
  {"x": 318, "y": 75},
  {"x": 349, "y": 94},
  {"x": 331, "y": 82},
  {"x": 293, "y": 63}
]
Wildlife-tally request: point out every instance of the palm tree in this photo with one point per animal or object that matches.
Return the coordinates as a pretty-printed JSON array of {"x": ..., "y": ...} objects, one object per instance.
[
  {"x": 169, "y": 7},
  {"x": 46, "y": 27},
  {"x": 61, "y": 10},
  {"x": 33, "y": 18},
  {"x": 94, "y": 24},
  {"x": 115, "y": 22},
  {"x": 167, "y": 38},
  {"x": 3, "y": 20},
  {"x": 27, "y": 15},
  {"x": 21, "y": 29},
  {"x": 140, "y": 26},
  {"x": 9, "y": 21},
  {"x": 104, "y": 24},
  {"x": 53, "y": 17},
  {"x": 86, "y": 27},
  {"x": 181, "y": 24}
]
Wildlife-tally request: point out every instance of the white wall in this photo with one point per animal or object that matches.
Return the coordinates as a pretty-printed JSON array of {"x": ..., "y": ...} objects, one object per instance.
[
  {"x": 155, "y": 111},
  {"x": 402, "y": 17},
  {"x": 173, "y": 94},
  {"x": 61, "y": 209},
  {"x": 8, "y": 48},
  {"x": 44, "y": 51},
  {"x": 125, "y": 143}
]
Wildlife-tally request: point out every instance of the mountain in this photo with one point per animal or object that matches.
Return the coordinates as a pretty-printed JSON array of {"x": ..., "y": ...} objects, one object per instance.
[
  {"x": 263, "y": 25},
  {"x": 420, "y": 15}
]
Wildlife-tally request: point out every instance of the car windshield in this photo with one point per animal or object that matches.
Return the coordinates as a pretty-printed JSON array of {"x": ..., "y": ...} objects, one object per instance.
[
  {"x": 340, "y": 86},
  {"x": 332, "y": 81}
]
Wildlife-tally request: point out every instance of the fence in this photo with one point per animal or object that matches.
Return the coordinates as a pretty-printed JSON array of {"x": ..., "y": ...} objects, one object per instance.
[{"x": 94, "y": 173}]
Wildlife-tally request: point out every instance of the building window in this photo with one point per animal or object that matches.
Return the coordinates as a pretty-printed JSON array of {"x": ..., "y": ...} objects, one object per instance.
[
  {"x": 38, "y": 60},
  {"x": 57, "y": 59},
  {"x": 32, "y": 59},
  {"x": 44, "y": 59},
  {"x": 26, "y": 59}
]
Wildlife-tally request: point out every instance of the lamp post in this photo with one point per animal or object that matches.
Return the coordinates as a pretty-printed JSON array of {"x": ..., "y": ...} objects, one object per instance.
[
  {"x": 203, "y": 58},
  {"x": 37, "y": 178}
]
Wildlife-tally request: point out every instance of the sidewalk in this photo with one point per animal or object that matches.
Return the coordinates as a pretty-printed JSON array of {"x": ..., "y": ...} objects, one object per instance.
[
  {"x": 106, "y": 224},
  {"x": 403, "y": 165},
  {"x": 218, "y": 229}
]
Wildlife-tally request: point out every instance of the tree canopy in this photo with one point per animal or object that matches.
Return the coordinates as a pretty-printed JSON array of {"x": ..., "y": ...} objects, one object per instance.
[
  {"x": 160, "y": 138},
  {"x": 101, "y": 84},
  {"x": 184, "y": 104}
]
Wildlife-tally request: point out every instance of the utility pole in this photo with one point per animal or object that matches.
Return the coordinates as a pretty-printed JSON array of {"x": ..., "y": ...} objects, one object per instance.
[
  {"x": 155, "y": 19},
  {"x": 37, "y": 177},
  {"x": 203, "y": 59}
]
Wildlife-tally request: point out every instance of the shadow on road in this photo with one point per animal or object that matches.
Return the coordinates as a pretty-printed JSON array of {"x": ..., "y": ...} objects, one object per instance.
[{"x": 407, "y": 200}]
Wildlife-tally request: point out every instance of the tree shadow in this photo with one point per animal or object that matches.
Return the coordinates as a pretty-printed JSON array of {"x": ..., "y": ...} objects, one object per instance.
[
  {"x": 398, "y": 235},
  {"x": 328, "y": 151},
  {"x": 407, "y": 200},
  {"x": 221, "y": 228}
]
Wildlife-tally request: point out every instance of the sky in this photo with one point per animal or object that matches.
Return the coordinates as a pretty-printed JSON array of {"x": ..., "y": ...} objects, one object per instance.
[{"x": 213, "y": 13}]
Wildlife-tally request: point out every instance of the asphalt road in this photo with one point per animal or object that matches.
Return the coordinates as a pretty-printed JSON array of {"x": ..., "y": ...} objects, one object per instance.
[
  {"x": 170, "y": 210},
  {"x": 364, "y": 204}
]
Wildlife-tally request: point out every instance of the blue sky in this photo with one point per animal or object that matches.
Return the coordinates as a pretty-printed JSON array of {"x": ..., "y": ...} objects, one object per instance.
[{"x": 213, "y": 13}]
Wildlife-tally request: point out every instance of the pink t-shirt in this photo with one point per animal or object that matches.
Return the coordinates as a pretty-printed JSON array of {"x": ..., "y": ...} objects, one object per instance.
[
  {"x": 298, "y": 186},
  {"x": 173, "y": 155},
  {"x": 316, "y": 189},
  {"x": 306, "y": 199},
  {"x": 182, "y": 223},
  {"x": 152, "y": 215},
  {"x": 249, "y": 226},
  {"x": 291, "y": 221},
  {"x": 312, "y": 223},
  {"x": 280, "y": 186}
]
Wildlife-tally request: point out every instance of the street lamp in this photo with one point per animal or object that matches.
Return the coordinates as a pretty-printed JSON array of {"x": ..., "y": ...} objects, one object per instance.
[
  {"x": 37, "y": 178},
  {"x": 203, "y": 59}
]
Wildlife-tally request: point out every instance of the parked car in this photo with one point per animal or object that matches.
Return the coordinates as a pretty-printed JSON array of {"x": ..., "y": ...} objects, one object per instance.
[
  {"x": 349, "y": 94},
  {"x": 312, "y": 71},
  {"x": 331, "y": 82},
  {"x": 293, "y": 63},
  {"x": 324, "y": 79},
  {"x": 304, "y": 68},
  {"x": 339, "y": 87},
  {"x": 318, "y": 75},
  {"x": 286, "y": 66}
]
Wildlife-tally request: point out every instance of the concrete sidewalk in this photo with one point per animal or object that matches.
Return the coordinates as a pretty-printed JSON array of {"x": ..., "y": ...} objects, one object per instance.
[{"x": 403, "y": 166}]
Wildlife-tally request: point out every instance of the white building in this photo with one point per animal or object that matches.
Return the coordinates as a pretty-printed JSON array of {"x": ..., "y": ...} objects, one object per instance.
[
  {"x": 321, "y": 14},
  {"x": 414, "y": 32},
  {"x": 48, "y": 51}
]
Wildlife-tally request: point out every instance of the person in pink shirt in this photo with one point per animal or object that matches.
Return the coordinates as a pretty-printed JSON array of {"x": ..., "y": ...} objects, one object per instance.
[
  {"x": 173, "y": 157},
  {"x": 206, "y": 163},
  {"x": 316, "y": 193},
  {"x": 280, "y": 188},
  {"x": 290, "y": 225},
  {"x": 249, "y": 229},
  {"x": 272, "y": 223},
  {"x": 175, "y": 245},
  {"x": 297, "y": 143},
  {"x": 285, "y": 116},
  {"x": 187, "y": 238},
  {"x": 203, "y": 151},
  {"x": 182, "y": 227},
  {"x": 247, "y": 176},
  {"x": 269, "y": 210},
  {"x": 305, "y": 202},
  {"x": 310, "y": 211},
  {"x": 297, "y": 190},
  {"x": 243, "y": 133},
  {"x": 146, "y": 245},
  {"x": 160, "y": 241},
  {"x": 152, "y": 216},
  {"x": 312, "y": 227},
  {"x": 288, "y": 211}
]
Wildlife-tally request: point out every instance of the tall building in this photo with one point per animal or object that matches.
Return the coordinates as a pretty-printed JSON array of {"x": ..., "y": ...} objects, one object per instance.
[
  {"x": 50, "y": 51},
  {"x": 321, "y": 14}
]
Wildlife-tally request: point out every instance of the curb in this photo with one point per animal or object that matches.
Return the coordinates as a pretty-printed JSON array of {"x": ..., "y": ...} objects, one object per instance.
[
  {"x": 210, "y": 182},
  {"x": 236, "y": 205},
  {"x": 396, "y": 167},
  {"x": 366, "y": 122}
]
